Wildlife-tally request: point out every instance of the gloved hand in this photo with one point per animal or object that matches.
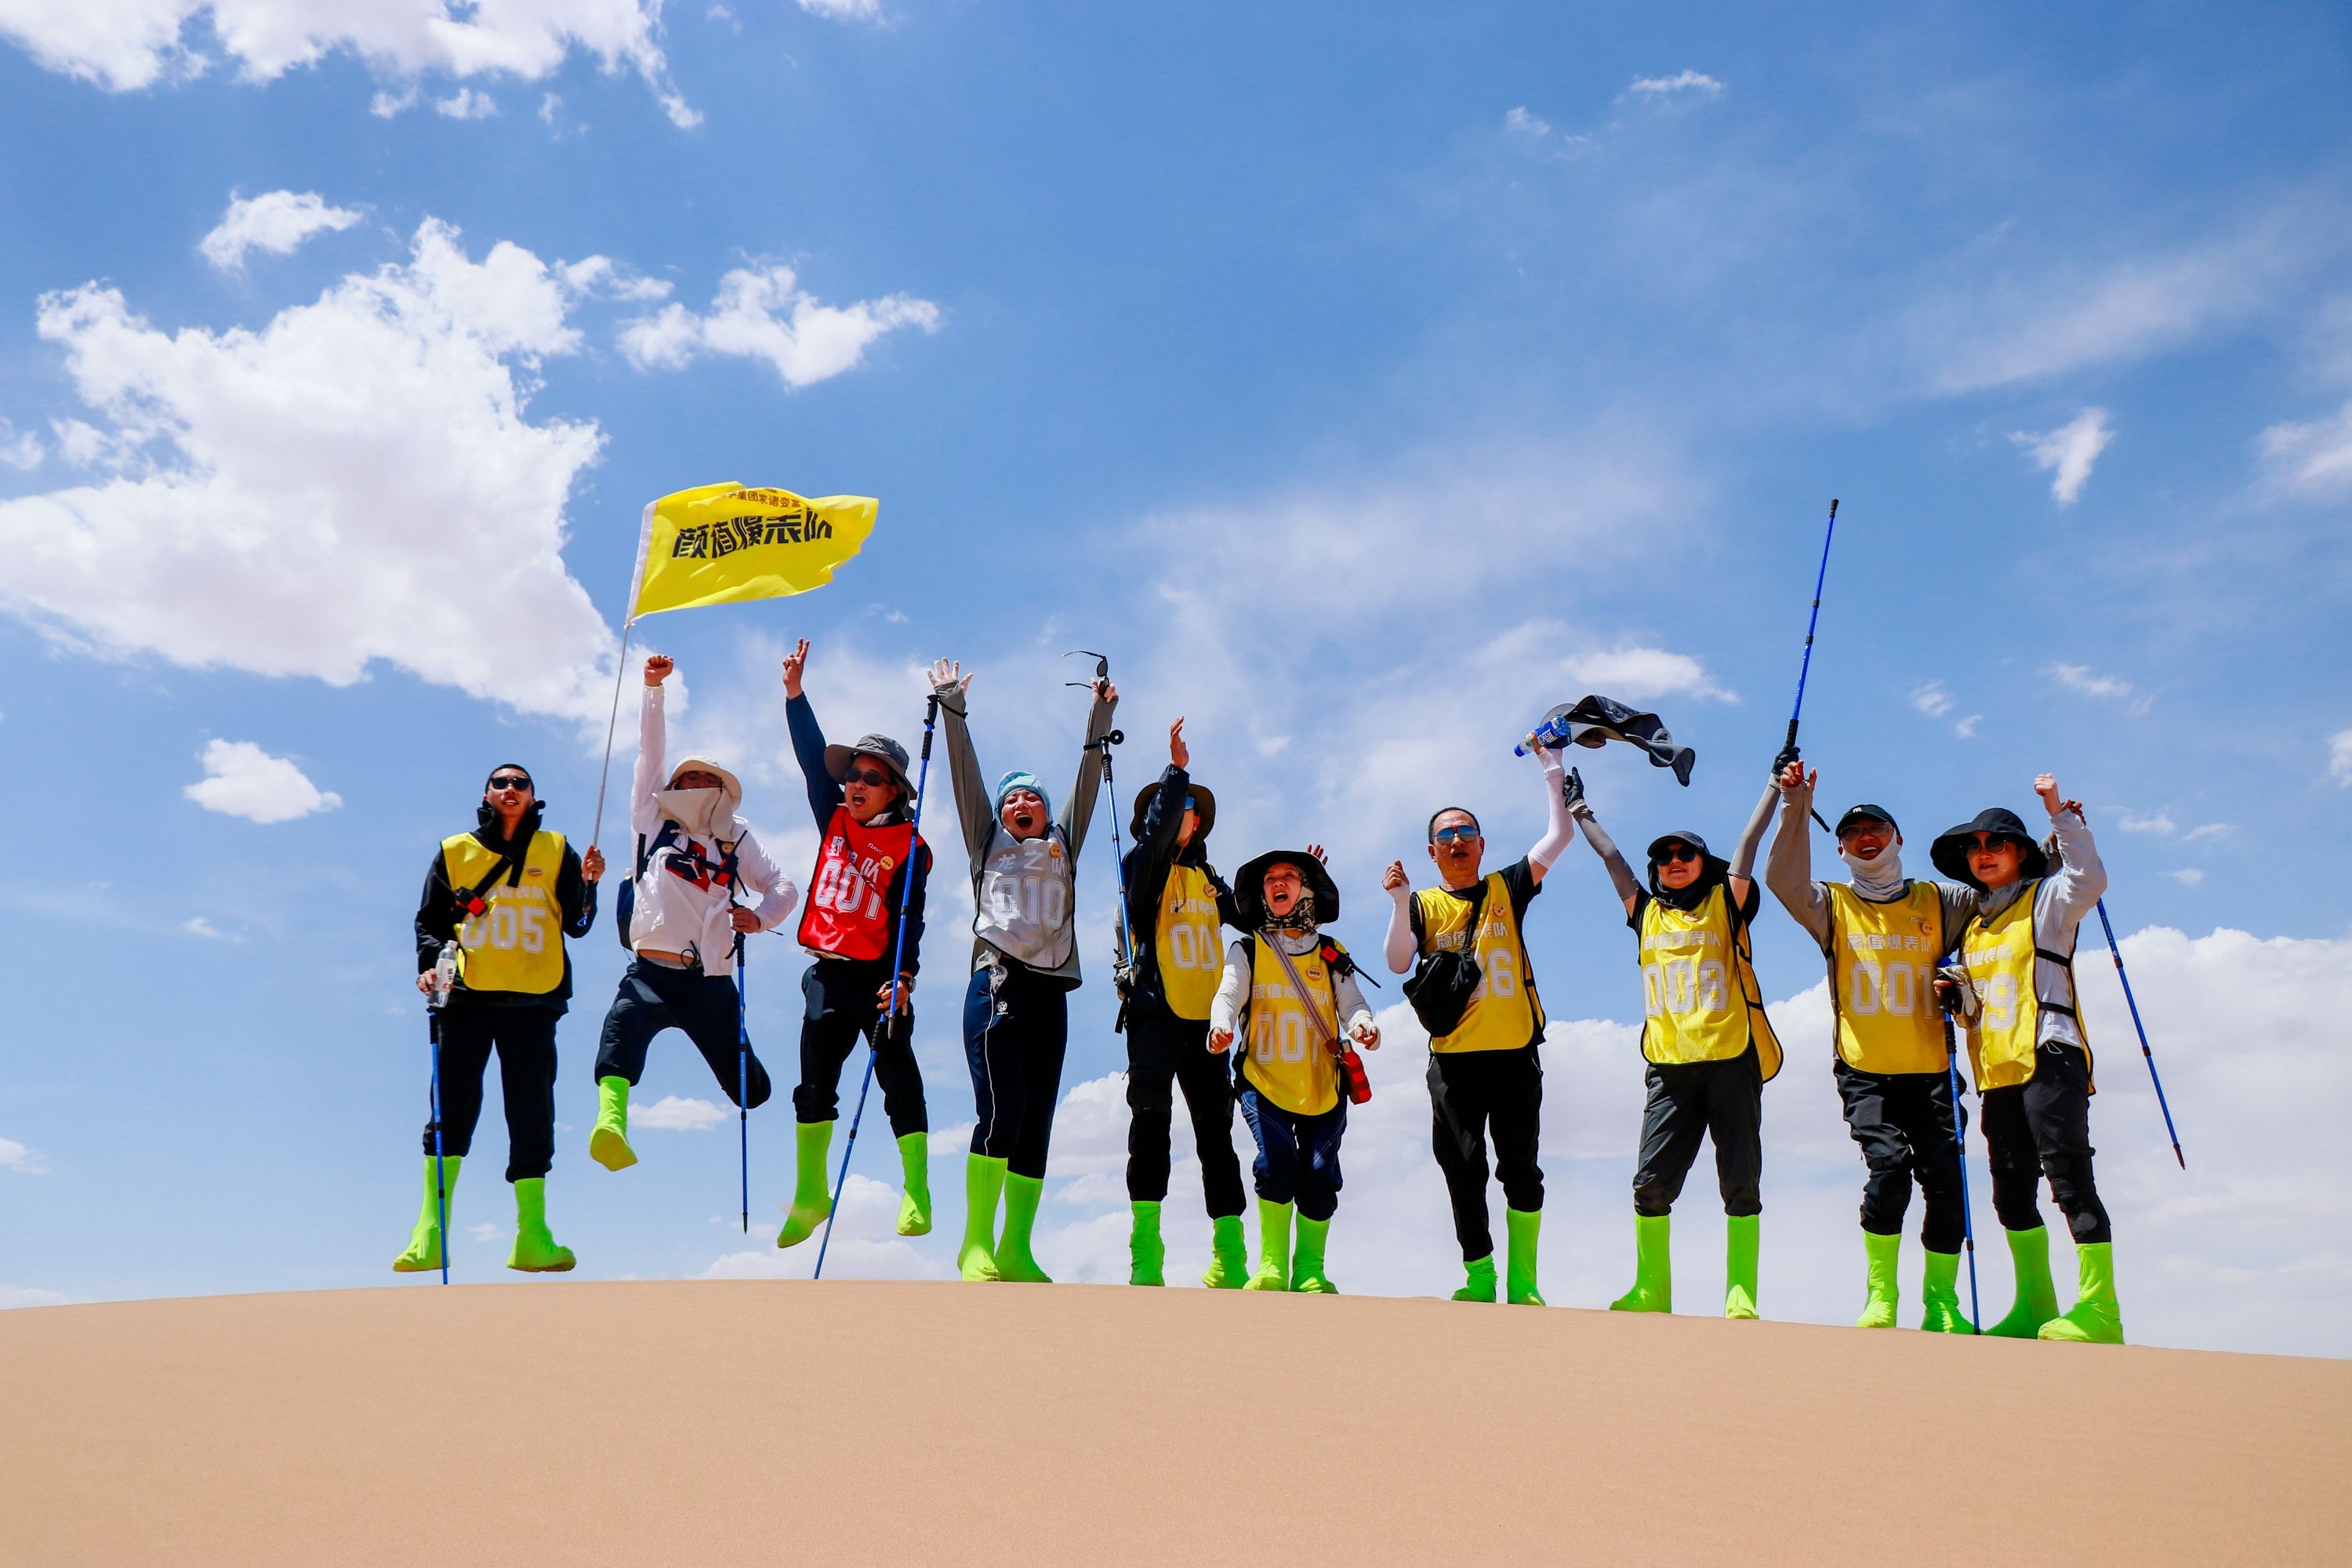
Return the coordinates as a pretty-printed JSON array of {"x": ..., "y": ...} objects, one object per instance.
[{"x": 1571, "y": 793}]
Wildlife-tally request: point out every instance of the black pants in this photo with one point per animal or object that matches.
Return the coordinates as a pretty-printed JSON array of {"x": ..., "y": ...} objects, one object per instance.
[
  {"x": 1016, "y": 1032},
  {"x": 1163, "y": 1051},
  {"x": 524, "y": 1038},
  {"x": 1723, "y": 1101},
  {"x": 654, "y": 997},
  {"x": 2042, "y": 1126},
  {"x": 1909, "y": 1131},
  {"x": 843, "y": 1000},
  {"x": 1474, "y": 1094}
]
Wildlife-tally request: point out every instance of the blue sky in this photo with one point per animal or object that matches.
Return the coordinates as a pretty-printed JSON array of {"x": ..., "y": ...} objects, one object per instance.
[{"x": 1362, "y": 383}]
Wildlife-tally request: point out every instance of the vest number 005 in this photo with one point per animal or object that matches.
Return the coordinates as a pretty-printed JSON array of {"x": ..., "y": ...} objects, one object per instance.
[
  {"x": 1684, "y": 984},
  {"x": 506, "y": 925}
]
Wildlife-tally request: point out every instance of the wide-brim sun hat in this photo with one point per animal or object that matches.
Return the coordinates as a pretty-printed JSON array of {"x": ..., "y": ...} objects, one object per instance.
[
  {"x": 882, "y": 749},
  {"x": 1249, "y": 887},
  {"x": 1202, "y": 802},
  {"x": 1950, "y": 850}
]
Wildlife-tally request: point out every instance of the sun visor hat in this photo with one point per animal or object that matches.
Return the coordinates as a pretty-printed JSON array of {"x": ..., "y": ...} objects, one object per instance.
[
  {"x": 1202, "y": 802},
  {"x": 1950, "y": 850}
]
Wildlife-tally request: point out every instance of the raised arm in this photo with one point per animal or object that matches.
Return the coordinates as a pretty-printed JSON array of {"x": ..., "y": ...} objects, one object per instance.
[
  {"x": 1751, "y": 839},
  {"x": 1080, "y": 809},
  {"x": 2078, "y": 883},
  {"x": 1559, "y": 827},
  {"x": 1789, "y": 870},
  {"x": 652, "y": 770},
  {"x": 975, "y": 809},
  {"x": 1620, "y": 875},
  {"x": 1399, "y": 947},
  {"x": 808, "y": 740}
]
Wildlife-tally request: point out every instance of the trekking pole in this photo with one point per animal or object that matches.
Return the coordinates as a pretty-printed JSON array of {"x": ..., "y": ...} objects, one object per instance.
[
  {"x": 889, "y": 1018},
  {"x": 1961, "y": 1129},
  {"x": 743, "y": 1077},
  {"x": 445, "y": 975},
  {"x": 1118, "y": 858},
  {"x": 1805, "y": 666},
  {"x": 2129, "y": 1001}
]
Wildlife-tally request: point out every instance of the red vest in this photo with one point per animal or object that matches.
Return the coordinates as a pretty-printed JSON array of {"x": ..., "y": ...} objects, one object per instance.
[{"x": 845, "y": 916}]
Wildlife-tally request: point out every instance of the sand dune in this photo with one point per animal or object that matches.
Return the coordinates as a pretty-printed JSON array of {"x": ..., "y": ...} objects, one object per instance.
[{"x": 725, "y": 1423}]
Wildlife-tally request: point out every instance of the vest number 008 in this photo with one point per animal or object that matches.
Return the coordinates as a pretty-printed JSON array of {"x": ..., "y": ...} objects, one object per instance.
[{"x": 1682, "y": 985}]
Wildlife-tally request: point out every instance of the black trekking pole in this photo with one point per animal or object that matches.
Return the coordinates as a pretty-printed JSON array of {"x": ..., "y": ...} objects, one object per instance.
[
  {"x": 2131, "y": 1002},
  {"x": 1805, "y": 667},
  {"x": 1123, "y": 964},
  {"x": 1960, "y": 1132},
  {"x": 889, "y": 1018}
]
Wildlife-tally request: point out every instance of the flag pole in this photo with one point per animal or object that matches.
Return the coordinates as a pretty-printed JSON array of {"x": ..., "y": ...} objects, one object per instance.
[{"x": 621, "y": 671}]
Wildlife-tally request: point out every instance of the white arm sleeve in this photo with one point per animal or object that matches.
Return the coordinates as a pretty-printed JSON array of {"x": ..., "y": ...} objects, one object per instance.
[
  {"x": 1399, "y": 947},
  {"x": 1233, "y": 988},
  {"x": 644, "y": 816},
  {"x": 777, "y": 894},
  {"x": 1559, "y": 826}
]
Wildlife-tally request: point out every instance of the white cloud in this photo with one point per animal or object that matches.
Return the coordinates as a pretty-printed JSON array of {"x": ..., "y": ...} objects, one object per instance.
[
  {"x": 602, "y": 278},
  {"x": 275, "y": 221},
  {"x": 1640, "y": 673},
  {"x": 2078, "y": 677},
  {"x": 486, "y": 1231},
  {"x": 2188, "y": 876},
  {"x": 2314, "y": 457},
  {"x": 1536, "y": 134},
  {"x": 465, "y": 104},
  {"x": 2210, "y": 830},
  {"x": 764, "y": 313},
  {"x": 1681, "y": 82},
  {"x": 1932, "y": 699},
  {"x": 14, "y": 1156},
  {"x": 549, "y": 103},
  {"x": 242, "y": 780},
  {"x": 388, "y": 105},
  {"x": 123, "y": 45},
  {"x": 20, "y": 449},
  {"x": 12, "y": 1296},
  {"x": 355, "y": 481},
  {"x": 2069, "y": 451},
  {"x": 2339, "y": 757},
  {"x": 672, "y": 1113},
  {"x": 1518, "y": 119},
  {"x": 2160, "y": 824},
  {"x": 196, "y": 925},
  {"x": 1966, "y": 727},
  {"x": 836, "y": 10}
]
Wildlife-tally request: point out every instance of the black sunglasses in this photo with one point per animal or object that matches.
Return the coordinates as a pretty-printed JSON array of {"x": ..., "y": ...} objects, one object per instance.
[
  {"x": 874, "y": 776},
  {"x": 1675, "y": 853},
  {"x": 510, "y": 781}
]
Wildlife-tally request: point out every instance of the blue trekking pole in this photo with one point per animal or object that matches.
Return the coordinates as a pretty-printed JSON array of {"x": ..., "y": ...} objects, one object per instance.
[
  {"x": 445, "y": 974},
  {"x": 2129, "y": 1001},
  {"x": 1960, "y": 1128},
  {"x": 743, "y": 1077},
  {"x": 1805, "y": 667},
  {"x": 889, "y": 1018}
]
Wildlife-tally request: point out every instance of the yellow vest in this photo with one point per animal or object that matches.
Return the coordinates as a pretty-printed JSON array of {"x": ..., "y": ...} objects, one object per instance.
[
  {"x": 517, "y": 943},
  {"x": 1699, "y": 986},
  {"x": 1999, "y": 955},
  {"x": 1191, "y": 957},
  {"x": 1883, "y": 979},
  {"x": 1288, "y": 1061},
  {"x": 1504, "y": 1011}
]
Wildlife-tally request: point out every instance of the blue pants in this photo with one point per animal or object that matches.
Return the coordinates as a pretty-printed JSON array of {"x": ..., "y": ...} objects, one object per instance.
[
  {"x": 1016, "y": 1026},
  {"x": 1298, "y": 1156}
]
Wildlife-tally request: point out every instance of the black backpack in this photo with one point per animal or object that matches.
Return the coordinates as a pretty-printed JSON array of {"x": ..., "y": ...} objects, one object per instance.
[{"x": 1441, "y": 988}]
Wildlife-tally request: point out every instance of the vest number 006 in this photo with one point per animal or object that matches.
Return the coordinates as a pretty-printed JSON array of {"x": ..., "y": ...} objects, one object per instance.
[
  {"x": 506, "y": 925},
  {"x": 1684, "y": 984}
]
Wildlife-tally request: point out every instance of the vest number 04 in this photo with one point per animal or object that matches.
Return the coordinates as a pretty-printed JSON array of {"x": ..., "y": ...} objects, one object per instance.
[{"x": 506, "y": 925}]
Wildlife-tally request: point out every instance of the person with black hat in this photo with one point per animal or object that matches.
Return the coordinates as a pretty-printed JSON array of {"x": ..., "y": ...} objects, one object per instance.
[
  {"x": 1176, "y": 904},
  {"x": 1024, "y": 964},
  {"x": 1475, "y": 993},
  {"x": 1883, "y": 935},
  {"x": 686, "y": 918},
  {"x": 2015, "y": 986},
  {"x": 506, "y": 896},
  {"x": 1290, "y": 995},
  {"x": 1710, "y": 1047},
  {"x": 869, "y": 864}
]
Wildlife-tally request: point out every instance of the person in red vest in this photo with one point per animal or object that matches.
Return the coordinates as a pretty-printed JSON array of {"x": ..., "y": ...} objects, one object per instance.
[{"x": 869, "y": 862}]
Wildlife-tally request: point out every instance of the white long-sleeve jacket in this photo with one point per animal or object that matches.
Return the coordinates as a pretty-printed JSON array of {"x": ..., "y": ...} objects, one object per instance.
[{"x": 688, "y": 914}]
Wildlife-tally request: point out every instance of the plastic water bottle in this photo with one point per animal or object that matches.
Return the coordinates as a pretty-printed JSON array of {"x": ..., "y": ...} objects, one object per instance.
[{"x": 1552, "y": 734}]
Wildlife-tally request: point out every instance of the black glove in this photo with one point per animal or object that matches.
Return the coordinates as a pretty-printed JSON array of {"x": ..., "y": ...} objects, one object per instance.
[
  {"x": 1571, "y": 790},
  {"x": 1789, "y": 753}
]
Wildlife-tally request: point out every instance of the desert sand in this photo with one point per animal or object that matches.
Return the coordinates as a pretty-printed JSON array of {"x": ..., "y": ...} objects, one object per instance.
[{"x": 718, "y": 1422}]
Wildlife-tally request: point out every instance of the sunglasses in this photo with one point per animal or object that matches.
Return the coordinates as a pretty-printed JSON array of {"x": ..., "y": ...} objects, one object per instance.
[
  {"x": 874, "y": 776},
  {"x": 1189, "y": 805},
  {"x": 1675, "y": 854},
  {"x": 511, "y": 781},
  {"x": 1463, "y": 834}
]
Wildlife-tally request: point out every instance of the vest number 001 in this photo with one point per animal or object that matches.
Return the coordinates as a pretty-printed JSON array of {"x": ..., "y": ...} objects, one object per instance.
[{"x": 1872, "y": 988}]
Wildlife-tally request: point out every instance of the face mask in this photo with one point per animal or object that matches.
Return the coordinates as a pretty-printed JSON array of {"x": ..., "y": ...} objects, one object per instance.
[
  {"x": 692, "y": 809},
  {"x": 1880, "y": 875},
  {"x": 1300, "y": 918}
]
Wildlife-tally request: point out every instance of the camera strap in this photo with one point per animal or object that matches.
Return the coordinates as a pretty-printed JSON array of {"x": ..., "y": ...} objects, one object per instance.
[{"x": 1330, "y": 1033}]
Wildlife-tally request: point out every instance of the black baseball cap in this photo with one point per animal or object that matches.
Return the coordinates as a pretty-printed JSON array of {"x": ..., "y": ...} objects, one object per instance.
[{"x": 1866, "y": 812}]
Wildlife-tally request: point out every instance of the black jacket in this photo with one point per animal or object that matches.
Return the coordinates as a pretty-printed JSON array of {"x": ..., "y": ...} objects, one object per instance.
[{"x": 1147, "y": 865}]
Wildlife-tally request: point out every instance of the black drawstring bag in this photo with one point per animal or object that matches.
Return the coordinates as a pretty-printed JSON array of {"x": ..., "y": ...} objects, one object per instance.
[{"x": 1442, "y": 986}]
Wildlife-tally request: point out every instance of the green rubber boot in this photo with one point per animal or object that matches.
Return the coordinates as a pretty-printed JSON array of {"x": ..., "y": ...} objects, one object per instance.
[
  {"x": 1014, "y": 1260},
  {"x": 534, "y": 1250},
  {"x": 424, "y": 1254},
  {"x": 1230, "y": 1265},
  {"x": 1878, "y": 1312},
  {"x": 1307, "y": 1276},
  {"x": 2094, "y": 1319},
  {"x": 1145, "y": 1255},
  {"x": 2037, "y": 1296},
  {"x": 608, "y": 1140},
  {"x": 1524, "y": 1226},
  {"x": 1273, "y": 1247},
  {"x": 1479, "y": 1285},
  {"x": 1654, "y": 1266},
  {"x": 1939, "y": 1296},
  {"x": 915, "y": 1164},
  {"x": 811, "y": 1205},
  {"x": 1739, "y": 1265},
  {"x": 983, "y": 1180}
]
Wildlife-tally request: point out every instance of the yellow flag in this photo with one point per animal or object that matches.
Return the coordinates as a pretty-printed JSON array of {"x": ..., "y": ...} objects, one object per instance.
[{"x": 720, "y": 544}]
